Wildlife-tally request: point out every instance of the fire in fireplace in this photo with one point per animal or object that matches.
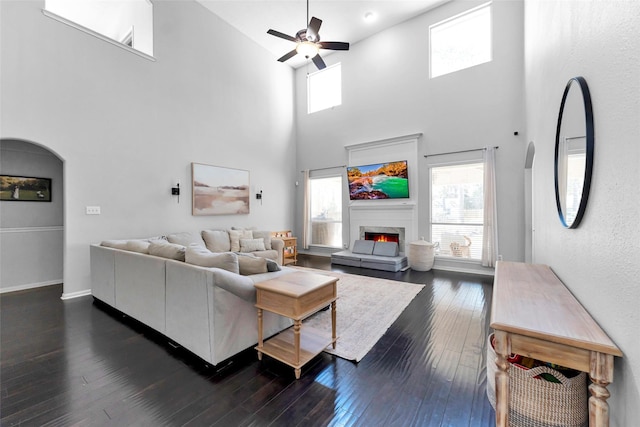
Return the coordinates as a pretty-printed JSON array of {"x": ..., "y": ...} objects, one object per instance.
[{"x": 382, "y": 237}]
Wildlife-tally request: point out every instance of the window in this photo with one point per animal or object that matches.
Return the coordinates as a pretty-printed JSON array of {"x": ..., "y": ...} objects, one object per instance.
[
  {"x": 326, "y": 211},
  {"x": 324, "y": 89},
  {"x": 122, "y": 22},
  {"x": 457, "y": 209},
  {"x": 461, "y": 42}
]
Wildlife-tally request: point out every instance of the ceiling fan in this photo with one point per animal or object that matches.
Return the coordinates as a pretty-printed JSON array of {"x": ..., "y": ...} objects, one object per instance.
[{"x": 308, "y": 42}]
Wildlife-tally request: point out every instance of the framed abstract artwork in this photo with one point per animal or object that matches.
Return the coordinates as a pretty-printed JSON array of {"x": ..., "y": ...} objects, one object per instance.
[
  {"x": 219, "y": 191},
  {"x": 24, "y": 189}
]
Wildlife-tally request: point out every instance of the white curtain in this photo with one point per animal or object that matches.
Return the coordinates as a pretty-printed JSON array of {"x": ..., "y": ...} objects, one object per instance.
[
  {"x": 306, "y": 236},
  {"x": 490, "y": 232}
]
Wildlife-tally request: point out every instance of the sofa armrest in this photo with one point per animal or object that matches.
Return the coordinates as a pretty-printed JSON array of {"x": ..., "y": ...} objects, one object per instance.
[
  {"x": 240, "y": 286},
  {"x": 278, "y": 246}
]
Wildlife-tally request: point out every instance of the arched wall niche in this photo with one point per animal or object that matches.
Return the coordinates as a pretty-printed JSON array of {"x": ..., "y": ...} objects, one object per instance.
[{"x": 32, "y": 233}]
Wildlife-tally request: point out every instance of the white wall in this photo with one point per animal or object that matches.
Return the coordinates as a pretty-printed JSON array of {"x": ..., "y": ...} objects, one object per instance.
[
  {"x": 127, "y": 127},
  {"x": 598, "y": 261},
  {"x": 31, "y": 233},
  {"x": 387, "y": 93}
]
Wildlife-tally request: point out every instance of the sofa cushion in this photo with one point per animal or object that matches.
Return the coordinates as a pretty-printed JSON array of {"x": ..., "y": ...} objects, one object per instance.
[
  {"x": 363, "y": 247},
  {"x": 385, "y": 249},
  {"x": 266, "y": 235},
  {"x": 198, "y": 255},
  {"x": 185, "y": 238},
  {"x": 216, "y": 240},
  {"x": 251, "y": 245},
  {"x": 236, "y": 235},
  {"x": 141, "y": 246},
  {"x": 167, "y": 250},
  {"x": 252, "y": 265}
]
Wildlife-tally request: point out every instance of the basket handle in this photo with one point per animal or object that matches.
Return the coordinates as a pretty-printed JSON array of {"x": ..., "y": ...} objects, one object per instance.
[{"x": 534, "y": 372}]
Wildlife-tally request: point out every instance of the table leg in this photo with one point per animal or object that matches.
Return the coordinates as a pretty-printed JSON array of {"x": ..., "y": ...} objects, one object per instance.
[
  {"x": 333, "y": 323},
  {"x": 260, "y": 341},
  {"x": 601, "y": 373},
  {"x": 503, "y": 350},
  {"x": 296, "y": 342}
]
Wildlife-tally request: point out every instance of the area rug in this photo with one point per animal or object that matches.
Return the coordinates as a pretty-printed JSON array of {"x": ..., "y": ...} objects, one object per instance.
[{"x": 365, "y": 309}]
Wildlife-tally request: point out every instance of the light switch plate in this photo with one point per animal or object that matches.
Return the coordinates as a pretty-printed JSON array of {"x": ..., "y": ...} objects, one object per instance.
[{"x": 93, "y": 210}]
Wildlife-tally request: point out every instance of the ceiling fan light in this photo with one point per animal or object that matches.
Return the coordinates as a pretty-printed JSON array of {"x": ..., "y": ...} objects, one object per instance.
[{"x": 307, "y": 49}]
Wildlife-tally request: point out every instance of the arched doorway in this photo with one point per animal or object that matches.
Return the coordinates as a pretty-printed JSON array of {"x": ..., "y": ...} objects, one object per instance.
[{"x": 32, "y": 232}]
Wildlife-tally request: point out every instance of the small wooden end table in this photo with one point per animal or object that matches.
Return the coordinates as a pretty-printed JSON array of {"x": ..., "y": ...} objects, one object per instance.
[{"x": 296, "y": 296}]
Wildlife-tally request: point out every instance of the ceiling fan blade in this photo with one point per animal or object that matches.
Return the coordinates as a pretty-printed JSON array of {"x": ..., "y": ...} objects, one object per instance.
[
  {"x": 313, "y": 29},
  {"x": 319, "y": 62},
  {"x": 334, "y": 45},
  {"x": 282, "y": 35},
  {"x": 288, "y": 55}
]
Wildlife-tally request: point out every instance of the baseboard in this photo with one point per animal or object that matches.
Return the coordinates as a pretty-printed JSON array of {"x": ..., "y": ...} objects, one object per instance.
[
  {"x": 485, "y": 272},
  {"x": 78, "y": 294},
  {"x": 30, "y": 286}
]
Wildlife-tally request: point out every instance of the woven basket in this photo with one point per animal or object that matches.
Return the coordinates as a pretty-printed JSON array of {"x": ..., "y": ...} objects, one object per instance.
[{"x": 536, "y": 402}]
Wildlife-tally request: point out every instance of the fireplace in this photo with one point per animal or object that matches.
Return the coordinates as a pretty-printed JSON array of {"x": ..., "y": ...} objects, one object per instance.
[
  {"x": 382, "y": 237},
  {"x": 384, "y": 234}
]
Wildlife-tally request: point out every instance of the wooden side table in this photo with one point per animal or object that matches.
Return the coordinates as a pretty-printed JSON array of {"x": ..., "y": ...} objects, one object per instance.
[
  {"x": 535, "y": 315},
  {"x": 290, "y": 250},
  {"x": 296, "y": 296}
]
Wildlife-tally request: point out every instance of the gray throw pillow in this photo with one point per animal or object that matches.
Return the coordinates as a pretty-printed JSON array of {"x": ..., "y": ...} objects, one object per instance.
[
  {"x": 115, "y": 244},
  {"x": 363, "y": 247},
  {"x": 236, "y": 235},
  {"x": 185, "y": 239},
  {"x": 217, "y": 240},
  {"x": 252, "y": 265},
  {"x": 266, "y": 235},
  {"x": 197, "y": 255},
  {"x": 167, "y": 250},
  {"x": 251, "y": 245},
  {"x": 141, "y": 246},
  {"x": 272, "y": 265}
]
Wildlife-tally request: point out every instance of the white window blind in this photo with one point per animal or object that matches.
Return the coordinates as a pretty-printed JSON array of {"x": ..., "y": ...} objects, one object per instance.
[{"x": 457, "y": 209}]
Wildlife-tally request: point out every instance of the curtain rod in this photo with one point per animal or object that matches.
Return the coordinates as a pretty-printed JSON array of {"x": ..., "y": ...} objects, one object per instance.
[
  {"x": 328, "y": 167},
  {"x": 458, "y": 152}
]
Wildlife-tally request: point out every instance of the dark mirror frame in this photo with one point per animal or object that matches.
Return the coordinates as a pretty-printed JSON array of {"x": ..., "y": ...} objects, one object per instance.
[{"x": 588, "y": 111}]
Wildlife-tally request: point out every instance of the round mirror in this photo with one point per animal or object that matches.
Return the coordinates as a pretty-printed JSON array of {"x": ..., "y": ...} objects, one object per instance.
[{"x": 574, "y": 152}]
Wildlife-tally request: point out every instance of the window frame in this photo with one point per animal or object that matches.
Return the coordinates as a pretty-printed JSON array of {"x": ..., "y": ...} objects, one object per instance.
[
  {"x": 459, "y": 16},
  {"x": 310, "y": 76}
]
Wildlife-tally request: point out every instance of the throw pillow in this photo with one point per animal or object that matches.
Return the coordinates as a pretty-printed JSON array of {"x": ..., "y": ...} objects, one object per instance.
[
  {"x": 216, "y": 240},
  {"x": 115, "y": 244},
  {"x": 251, "y": 245},
  {"x": 252, "y": 265},
  {"x": 363, "y": 247},
  {"x": 185, "y": 238},
  {"x": 385, "y": 249},
  {"x": 236, "y": 235},
  {"x": 197, "y": 255},
  {"x": 266, "y": 235},
  {"x": 141, "y": 246},
  {"x": 272, "y": 265},
  {"x": 167, "y": 250}
]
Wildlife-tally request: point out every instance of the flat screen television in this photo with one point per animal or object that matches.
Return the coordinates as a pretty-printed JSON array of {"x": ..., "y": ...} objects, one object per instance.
[{"x": 378, "y": 181}]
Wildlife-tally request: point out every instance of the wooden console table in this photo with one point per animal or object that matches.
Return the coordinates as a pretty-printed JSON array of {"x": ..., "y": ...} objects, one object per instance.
[
  {"x": 296, "y": 296},
  {"x": 535, "y": 315}
]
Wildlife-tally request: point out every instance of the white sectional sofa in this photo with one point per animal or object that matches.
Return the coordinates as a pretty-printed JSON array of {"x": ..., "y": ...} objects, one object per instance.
[
  {"x": 370, "y": 254},
  {"x": 208, "y": 310}
]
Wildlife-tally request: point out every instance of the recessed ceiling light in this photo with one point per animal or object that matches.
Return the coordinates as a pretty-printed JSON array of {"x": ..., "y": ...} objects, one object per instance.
[{"x": 369, "y": 17}]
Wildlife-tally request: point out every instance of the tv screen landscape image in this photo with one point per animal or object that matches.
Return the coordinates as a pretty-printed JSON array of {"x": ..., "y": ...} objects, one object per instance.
[{"x": 378, "y": 181}]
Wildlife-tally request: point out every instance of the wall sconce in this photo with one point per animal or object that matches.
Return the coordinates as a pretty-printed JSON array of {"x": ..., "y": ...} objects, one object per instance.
[
  {"x": 175, "y": 191},
  {"x": 259, "y": 196}
]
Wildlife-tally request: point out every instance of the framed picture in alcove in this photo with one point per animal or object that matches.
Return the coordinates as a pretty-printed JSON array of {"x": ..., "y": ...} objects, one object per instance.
[
  {"x": 219, "y": 191},
  {"x": 24, "y": 189}
]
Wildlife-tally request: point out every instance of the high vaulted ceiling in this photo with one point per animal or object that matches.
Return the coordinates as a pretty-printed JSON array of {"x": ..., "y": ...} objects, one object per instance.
[{"x": 343, "y": 20}]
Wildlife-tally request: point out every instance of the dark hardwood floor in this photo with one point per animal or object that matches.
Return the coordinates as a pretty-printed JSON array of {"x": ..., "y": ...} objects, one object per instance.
[{"x": 76, "y": 362}]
